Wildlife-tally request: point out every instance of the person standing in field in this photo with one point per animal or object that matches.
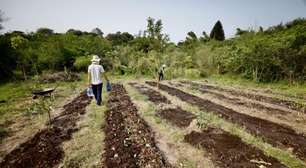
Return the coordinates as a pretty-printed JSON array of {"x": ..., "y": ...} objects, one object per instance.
[
  {"x": 161, "y": 75},
  {"x": 95, "y": 73}
]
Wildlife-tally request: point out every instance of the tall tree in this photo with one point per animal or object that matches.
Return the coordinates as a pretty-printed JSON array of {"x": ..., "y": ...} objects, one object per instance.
[
  {"x": 217, "y": 32},
  {"x": 97, "y": 31}
]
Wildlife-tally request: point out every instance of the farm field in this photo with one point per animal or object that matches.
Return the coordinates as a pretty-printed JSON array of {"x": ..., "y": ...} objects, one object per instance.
[{"x": 182, "y": 123}]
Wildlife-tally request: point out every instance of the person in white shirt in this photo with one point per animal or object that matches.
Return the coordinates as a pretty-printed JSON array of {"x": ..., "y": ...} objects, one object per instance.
[{"x": 95, "y": 71}]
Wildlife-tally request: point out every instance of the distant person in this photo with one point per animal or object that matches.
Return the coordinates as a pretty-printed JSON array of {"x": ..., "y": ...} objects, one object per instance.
[
  {"x": 95, "y": 71},
  {"x": 161, "y": 74}
]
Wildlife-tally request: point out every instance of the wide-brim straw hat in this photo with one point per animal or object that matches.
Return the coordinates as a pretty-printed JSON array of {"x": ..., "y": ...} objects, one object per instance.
[{"x": 95, "y": 58}]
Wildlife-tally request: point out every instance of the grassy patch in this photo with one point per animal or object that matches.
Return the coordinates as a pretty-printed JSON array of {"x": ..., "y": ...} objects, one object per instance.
[{"x": 86, "y": 147}]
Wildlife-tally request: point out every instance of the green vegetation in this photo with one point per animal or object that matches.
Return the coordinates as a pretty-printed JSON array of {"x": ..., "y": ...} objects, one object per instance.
[{"x": 277, "y": 53}]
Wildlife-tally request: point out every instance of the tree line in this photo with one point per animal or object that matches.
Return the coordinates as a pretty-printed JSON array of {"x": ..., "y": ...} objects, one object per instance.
[{"x": 277, "y": 53}]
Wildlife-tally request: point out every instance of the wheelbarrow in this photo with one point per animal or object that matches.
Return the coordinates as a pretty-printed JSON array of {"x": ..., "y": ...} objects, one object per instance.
[{"x": 42, "y": 92}]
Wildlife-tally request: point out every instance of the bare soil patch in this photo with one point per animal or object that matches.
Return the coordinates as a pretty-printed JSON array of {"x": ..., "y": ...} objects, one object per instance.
[
  {"x": 129, "y": 141},
  {"x": 237, "y": 101},
  {"x": 153, "y": 95},
  {"x": 272, "y": 100},
  {"x": 177, "y": 116},
  {"x": 44, "y": 148},
  {"x": 275, "y": 134},
  {"x": 229, "y": 151}
]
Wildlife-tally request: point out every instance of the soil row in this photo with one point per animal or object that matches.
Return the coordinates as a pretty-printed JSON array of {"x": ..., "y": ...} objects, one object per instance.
[
  {"x": 226, "y": 150},
  {"x": 175, "y": 116},
  {"x": 229, "y": 151},
  {"x": 272, "y": 100},
  {"x": 129, "y": 141},
  {"x": 44, "y": 148},
  {"x": 272, "y": 133},
  {"x": 237, "y": 101}
]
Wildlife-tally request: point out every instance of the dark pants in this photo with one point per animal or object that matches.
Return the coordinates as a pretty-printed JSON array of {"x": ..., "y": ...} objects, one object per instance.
[
  {"x": 97, "y": 91},
  {"x": 160, "y": 76}
]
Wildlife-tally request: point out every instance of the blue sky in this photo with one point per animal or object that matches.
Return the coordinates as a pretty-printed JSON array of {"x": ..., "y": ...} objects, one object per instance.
[{"x": 178, "y": 16}]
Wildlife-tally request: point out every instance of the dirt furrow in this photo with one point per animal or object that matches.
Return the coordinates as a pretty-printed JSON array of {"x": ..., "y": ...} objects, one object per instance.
[
  {"x": 176, "y": 116},
  {"x": 225, "y": 149},
  {"x": 272, "y": 100},
  {"x": 272, "y": 133},
  {"x": 44, "y": 148},
  {"x": 153, "y": 96},
  {"x": 129, "y": 141},
  {"x": 239, "y": 102},
  {"x": 229, "y": 151}
]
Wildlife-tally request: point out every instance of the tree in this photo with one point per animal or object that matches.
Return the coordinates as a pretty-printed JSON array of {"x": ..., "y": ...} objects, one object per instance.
[
  {"x": 217, "y": 32},
  {"x": 19, "y": 43},
  {"x": 119, "y": 38},
  {"x": 97, "y": 31},
  {"x": 204, "y": 37},
  {"x": 74, "y": 32},
  {"x": 192, "y": 36},
  {"x": 44, "y": 31}
]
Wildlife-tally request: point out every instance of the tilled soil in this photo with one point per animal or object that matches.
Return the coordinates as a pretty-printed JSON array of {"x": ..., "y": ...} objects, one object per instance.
[
  {"x": 153, "y": 96},
  {"x": 272, "y": 133},
  {"x": 44, "y": 148},
  {"x": 129, "y": 141},
  {"x": 226, "y": 150},
  {"x": 229, "y": 151},
  {"x": 176, "y": 116},
  {"x": 238, "y": 101},
  {"x": 273, "y": 100}
]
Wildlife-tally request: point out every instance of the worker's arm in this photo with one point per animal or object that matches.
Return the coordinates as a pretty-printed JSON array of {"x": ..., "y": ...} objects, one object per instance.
[{"x": 88, "y": 78}]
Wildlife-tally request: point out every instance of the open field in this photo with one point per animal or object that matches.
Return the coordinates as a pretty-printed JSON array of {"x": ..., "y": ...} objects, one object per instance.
[{"x": 180, "y": 124}]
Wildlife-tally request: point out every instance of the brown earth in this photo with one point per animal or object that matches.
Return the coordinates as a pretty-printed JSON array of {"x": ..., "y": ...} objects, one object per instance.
[
  {"x": 177, "y": 116},
  {"x": 153, "y": 95},
  {"x": 238, "y": 101},
  {"x": 129, "y": 141},
  {"x": 229, "y": 151},
  {"x": 226, "y": 150},
  {"x": 273, "y": 100},
  {"x": 272, "y": 133},
  {"x": 44, "y": 148}
]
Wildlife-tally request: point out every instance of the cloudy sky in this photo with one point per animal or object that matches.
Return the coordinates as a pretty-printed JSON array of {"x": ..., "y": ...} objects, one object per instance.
[{"x": 178, "y": 16}]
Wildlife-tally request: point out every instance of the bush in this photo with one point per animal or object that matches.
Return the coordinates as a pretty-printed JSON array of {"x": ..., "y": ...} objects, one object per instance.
[{"x": 81, "y": 63}]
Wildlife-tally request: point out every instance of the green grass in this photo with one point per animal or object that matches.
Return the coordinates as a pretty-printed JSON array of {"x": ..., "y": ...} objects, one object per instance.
[{"x": 86, "y": 147}]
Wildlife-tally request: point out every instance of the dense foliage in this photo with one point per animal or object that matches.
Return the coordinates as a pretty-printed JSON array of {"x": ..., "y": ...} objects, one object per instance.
[{"x": 278, "y": 52}]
